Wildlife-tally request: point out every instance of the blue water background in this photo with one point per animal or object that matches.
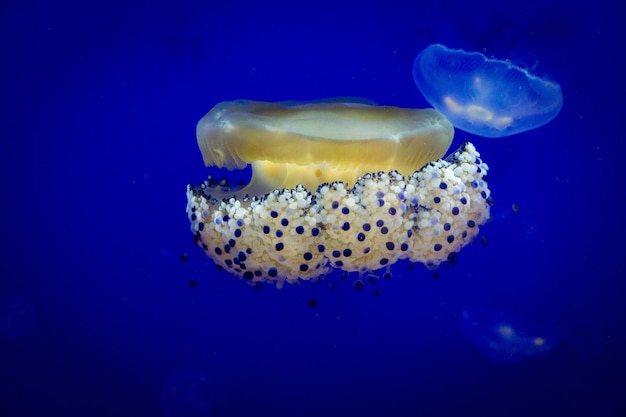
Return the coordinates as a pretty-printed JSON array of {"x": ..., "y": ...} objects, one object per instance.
[{"x": 99, "y": 105}]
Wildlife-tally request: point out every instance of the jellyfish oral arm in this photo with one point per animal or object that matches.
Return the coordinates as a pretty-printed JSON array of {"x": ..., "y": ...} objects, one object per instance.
[{"x": 295, "y": 234}]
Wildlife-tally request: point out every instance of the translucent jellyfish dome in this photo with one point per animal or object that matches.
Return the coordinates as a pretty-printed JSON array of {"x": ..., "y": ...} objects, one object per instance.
[{"x": 487, "y": 97}]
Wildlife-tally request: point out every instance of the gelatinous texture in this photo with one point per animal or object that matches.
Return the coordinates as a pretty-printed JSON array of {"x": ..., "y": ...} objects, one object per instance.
[
  {"x": 486, "y": 97},
  {"x": 309, "y": 143},
  {"x": 297, "y": 233},
  {"x": 504, "y": 338}
]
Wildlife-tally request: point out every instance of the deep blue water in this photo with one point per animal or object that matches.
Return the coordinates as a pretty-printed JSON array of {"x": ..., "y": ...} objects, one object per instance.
[{"x": 97, "y": 317}]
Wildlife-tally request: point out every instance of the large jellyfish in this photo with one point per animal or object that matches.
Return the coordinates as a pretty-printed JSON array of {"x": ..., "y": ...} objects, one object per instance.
[
  {"x": 483, "y": 96},
  {"x": 335, "y": 184}
]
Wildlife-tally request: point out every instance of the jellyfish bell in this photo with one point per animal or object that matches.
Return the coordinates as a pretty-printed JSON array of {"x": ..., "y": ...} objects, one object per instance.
[
  {"x": 309, "y": 143},
  {"x": 336, "y": 185},
  {"x": 484, "y": 96}
]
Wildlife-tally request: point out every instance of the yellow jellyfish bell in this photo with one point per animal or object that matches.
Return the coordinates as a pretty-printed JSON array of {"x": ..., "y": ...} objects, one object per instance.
[
  {"x": 309, "y": 143},
  {"x": 329, "y": 190}
]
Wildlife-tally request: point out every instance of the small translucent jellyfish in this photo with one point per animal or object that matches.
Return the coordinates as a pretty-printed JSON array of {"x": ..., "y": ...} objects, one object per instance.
[
  {"x": 335, "y": 185},
  {"x": 486, "y": 97},
  {"x": 504, "y": 338}
]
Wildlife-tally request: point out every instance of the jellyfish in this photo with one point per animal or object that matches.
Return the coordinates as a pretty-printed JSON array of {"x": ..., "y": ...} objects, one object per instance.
[
  {"x": 506, "y": 338},
  {"x": 486, "y": 97},
  {"x": 336, "y": 184}
]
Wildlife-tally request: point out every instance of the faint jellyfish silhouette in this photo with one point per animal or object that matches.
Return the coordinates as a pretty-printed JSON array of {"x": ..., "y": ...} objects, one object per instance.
[
  {"x": 505, "y": 338},
  {"x": 187, "y": 393},
  {"x": 17, "y": 316},
  {"x": 486, "y": 97}
]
